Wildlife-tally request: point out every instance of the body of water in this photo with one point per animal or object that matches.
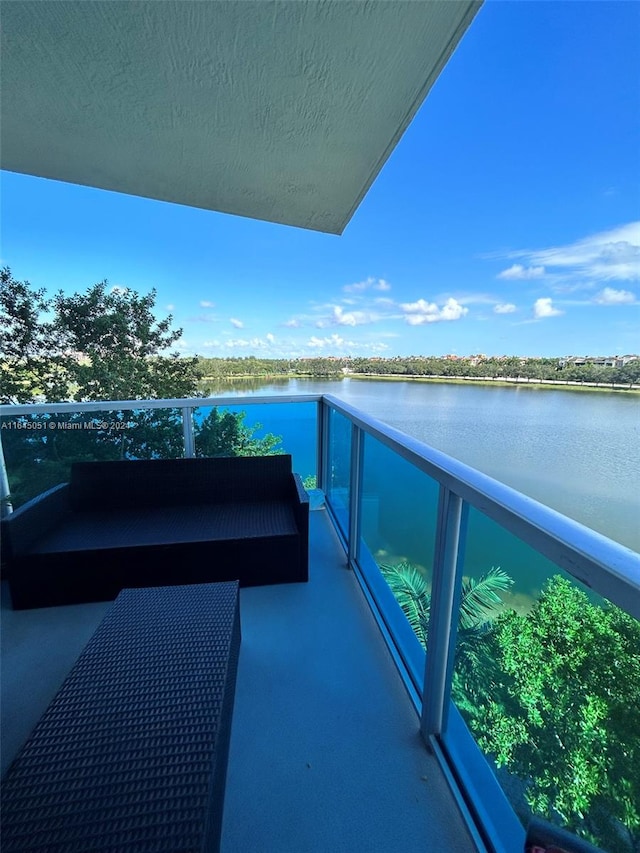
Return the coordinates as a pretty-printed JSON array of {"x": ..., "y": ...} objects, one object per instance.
[{"x": 579, "y": 453}]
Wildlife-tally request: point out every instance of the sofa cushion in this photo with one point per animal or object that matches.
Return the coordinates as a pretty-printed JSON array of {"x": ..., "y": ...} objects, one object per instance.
[
  {"x": 182, "y": 482},
  {"x": 144, "y": 526}
]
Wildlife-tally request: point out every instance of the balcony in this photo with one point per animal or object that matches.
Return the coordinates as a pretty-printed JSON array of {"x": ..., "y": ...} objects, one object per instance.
[
  {"x": 325, "y": 751},
  {"x": 347, "y": 734}
]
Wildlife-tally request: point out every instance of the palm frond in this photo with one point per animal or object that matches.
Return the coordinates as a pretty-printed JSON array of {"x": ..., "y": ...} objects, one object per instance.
[
  {"x": 480, "y": 601},
  {"x": 412, "y": 594}
]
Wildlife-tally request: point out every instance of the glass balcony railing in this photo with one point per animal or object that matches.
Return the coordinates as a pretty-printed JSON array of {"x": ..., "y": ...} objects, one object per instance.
[
  {"x": 260, "y": 428},
  {"x": 338, "y": 470},
  {"x": 516, "y": 629}
]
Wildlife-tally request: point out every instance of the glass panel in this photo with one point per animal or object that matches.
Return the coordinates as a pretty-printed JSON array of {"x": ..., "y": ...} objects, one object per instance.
[
  {"x": 547, "y": 678},
  {"x": 260, "y": 429},
  {"x": 39, "y": 449},
  {"x": 399, "y": 516},
  {"x": 338, "y": 487}
]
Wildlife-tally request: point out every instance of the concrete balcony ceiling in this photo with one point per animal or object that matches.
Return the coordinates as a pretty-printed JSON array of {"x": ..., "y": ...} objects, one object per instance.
[{"x": 281, "y": 111}]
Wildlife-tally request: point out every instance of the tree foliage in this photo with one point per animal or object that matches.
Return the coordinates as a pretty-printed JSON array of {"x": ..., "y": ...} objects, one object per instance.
[
  {"x": 223, "y": 433},
  {"x": 553, "y": 696},
  {"x": 32, "y": 362},
  {"x": 104, "y": 344},
  {"x": 479, "y": 603},
  {"x": 121, "y": 347},
  {"x": 565, "y": 716},
  {"x": 505, "y": 367}
]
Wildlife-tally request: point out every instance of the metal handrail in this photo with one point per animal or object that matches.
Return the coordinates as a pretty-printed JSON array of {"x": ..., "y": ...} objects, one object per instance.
[
  {"x": 607, "y": 567},
  {"x": 175, "y": 403}
]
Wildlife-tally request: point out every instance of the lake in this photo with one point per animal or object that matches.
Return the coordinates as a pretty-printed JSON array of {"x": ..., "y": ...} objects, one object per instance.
[{"x": 579, "y": 453}]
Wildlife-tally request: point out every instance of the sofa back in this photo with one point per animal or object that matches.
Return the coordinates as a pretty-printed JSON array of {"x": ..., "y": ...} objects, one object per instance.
[{"x": 172, "y": 482}]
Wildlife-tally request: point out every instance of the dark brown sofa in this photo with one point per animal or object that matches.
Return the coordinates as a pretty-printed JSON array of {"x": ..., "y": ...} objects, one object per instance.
[{"x": 139, "y": 523}]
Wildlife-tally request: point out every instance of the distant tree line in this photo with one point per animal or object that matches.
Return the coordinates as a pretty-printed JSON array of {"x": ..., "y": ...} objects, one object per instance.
[
  {"x": 251, "y": 366},
  {"x": 511, "y": 367},
  {"x": 497, "y": 368}
]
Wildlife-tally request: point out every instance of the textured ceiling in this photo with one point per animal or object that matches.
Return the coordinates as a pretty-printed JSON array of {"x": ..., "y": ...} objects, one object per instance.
[{"x": 282, "y": 111}]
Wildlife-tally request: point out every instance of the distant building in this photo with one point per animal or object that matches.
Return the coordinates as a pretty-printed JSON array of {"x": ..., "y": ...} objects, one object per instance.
[{"x": 598, "y": 361}]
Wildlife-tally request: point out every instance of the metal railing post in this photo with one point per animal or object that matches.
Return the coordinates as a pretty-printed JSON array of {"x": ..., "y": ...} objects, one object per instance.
[
  {"x": 322, "y": 438},
  {"x": 6, "y": 507},
  {"x": 187, "y": 432},
  {"x": 355, "y": 493},
  {"x": 447, "y": 566}
]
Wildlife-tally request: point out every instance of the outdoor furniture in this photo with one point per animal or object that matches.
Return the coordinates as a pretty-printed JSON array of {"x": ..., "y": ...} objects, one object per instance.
[
  {"x": 132, "y": 752},
  {"x": 138, "y": 523}
]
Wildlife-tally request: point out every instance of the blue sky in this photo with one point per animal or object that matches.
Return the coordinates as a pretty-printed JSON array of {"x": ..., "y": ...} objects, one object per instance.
[{"x": 507, "y": 220}]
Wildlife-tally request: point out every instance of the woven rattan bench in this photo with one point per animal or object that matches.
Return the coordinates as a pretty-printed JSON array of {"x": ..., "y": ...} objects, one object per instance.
[{"x": 131, "y": 755}]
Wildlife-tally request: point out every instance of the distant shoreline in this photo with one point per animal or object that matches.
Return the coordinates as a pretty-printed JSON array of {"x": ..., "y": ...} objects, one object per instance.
[
  {"x": 505, "y": 382},
  {"x": 488, "y": 381}
]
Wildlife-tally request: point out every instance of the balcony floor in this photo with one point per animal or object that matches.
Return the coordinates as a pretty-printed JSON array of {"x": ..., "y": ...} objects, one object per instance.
[{"x": 325, "y": 750}]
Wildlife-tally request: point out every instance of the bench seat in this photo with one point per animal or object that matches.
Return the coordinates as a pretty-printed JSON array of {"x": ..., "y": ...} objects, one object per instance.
[
  {"x": 131, "y": 754},
  {"x": 167, "y": 525}
]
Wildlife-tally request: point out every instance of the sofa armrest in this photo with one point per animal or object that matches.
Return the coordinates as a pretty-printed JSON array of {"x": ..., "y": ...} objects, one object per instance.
[
  {"x": 300, "y": 492},
  {"x": 300, "y": 501},
  {"x": 30, "y": 521}
]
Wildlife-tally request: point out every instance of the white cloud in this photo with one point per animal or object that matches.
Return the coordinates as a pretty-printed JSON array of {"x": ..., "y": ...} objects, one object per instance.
[
  {"x": 518, "y": 273},
  {"x": 504, "y": 308},
  {"x": 271, "y": 338},
  {"x": 607, "y": 256},
  {"x": 238, "y": 324},
  {"x": 340, "y": 317},
  {"x": 368, "y": 284},
  {"x": 118, "y": 288},
  {"x": 343, "y": 318},
  {"x": 609, "y": 296},
  {"x": 170, "y": 307},
  {"x": 293, "y": 323},
  {"x": 204, "y": 303},
  {"x": 452, "y": 310},
  {"x": 333, "y": 340},
  {"x": 544, "y": 308},
  {"x": 417, "y": 313},
  {"x": 241, "y": 343},
  {"x": 336, "y": 345},
  {"x": 420, "y": 307}
]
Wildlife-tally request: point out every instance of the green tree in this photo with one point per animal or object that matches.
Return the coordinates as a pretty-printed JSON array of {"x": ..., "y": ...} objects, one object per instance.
[
  {"x": 32, "y": 363},
  {"x": 121, "y": 347},
  {"x": 226, "y": 434},
  {"x": 105, "y": 344},
  {"x": 565, "y": 717}
]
